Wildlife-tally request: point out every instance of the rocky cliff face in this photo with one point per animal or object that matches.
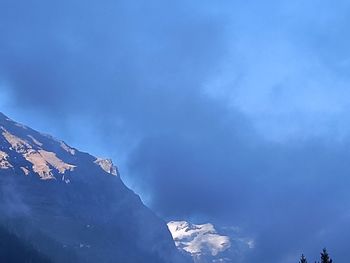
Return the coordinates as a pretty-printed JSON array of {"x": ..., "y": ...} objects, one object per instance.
[{"x": 74, "y": 206}]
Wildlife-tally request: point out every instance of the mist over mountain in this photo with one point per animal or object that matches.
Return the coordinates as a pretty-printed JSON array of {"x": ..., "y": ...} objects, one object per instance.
[
  {"x": 233, "y": 113},
  {"x": 74, "y": 206}
]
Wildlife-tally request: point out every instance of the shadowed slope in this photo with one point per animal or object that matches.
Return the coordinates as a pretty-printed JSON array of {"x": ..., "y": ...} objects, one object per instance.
[{"x": 55, "y": 192}]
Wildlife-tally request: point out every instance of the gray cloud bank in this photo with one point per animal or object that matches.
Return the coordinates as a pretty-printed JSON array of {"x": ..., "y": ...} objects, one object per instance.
[{"x": 226, "y": 112}]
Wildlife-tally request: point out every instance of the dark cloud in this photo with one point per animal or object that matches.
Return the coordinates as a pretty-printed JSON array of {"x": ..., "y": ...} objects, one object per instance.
[
  {"x": 285, "y": 195},
  {"x": 177, "y": 89}
]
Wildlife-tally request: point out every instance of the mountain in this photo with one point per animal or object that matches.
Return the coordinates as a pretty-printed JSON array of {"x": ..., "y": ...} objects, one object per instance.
[
  {"x": 72, "y": 206},
  {"x": 207, "y": 245},
  {"x": 15, "y": 250}
]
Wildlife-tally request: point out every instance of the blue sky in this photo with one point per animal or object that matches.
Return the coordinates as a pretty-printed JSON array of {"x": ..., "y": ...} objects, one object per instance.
[{"x": 233, "y": 112}]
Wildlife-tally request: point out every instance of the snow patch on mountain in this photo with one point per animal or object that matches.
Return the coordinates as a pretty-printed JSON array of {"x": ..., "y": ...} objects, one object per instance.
[
  {"x": 107, "y": 165},
  {"x": 4, "y": 163},
  {"x": 43, "y": 162},
  {"x": 35, "y": 140},
  {"x": 67, "y": 148},
  {"x": 17, "y": 143},
  {"x": 25, "y": 170}
]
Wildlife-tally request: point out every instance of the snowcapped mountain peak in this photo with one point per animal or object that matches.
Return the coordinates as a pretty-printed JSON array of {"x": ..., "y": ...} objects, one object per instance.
[
  {"x": 198, "y": 239},
  {"x": 207, "y": 243}
]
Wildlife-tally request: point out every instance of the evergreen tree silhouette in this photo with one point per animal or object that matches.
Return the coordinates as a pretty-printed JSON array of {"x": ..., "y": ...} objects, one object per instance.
[
  {"x": 325, "y": 257},
  {"x": 303, "y": 259}
]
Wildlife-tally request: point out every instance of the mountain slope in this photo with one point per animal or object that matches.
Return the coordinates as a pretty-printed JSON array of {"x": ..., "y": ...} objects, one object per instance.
[
  {"x": 62, "y": 199},
  {"x": 15, "y": 250}
]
